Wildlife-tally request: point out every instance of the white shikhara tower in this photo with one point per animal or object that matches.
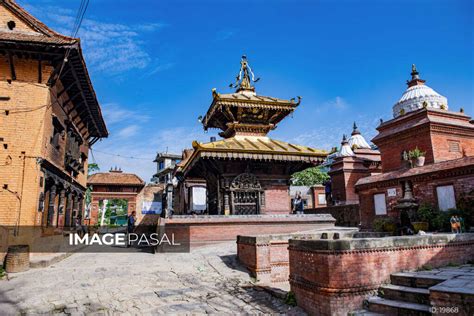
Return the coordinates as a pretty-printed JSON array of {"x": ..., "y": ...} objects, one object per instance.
[
  {"x": 357, "y": 141},
  {"x": 417, "y": 96}
]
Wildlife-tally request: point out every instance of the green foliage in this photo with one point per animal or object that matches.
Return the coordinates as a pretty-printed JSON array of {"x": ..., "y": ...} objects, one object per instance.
[
  {"x": 290, "y": 299},
  {"x": 415, "y": 153},
  {"x": 309, "y": 177},
  {"x": 2, "y": 273},
  {"x": 92, "y": 167},
  {"x": 384, "y": 224},
  {"x": 426, "y": 267},
  {"x": 439, "y": 220}
]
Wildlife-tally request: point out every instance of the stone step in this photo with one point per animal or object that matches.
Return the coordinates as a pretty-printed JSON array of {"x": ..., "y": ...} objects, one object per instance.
[
  {"x": 405, "y": 294},
  {"x": 416, "y": 280},
  {"x": 392, "y": 307},
  {"x": 363, "y": 312}
]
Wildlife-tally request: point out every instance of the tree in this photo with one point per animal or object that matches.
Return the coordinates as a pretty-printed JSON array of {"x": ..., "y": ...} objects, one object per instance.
[
  {"x": 309, "y": 177},
  {"x": 92, "y": 168}
]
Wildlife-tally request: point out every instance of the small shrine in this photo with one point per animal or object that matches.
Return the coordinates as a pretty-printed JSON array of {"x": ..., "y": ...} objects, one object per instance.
[{"x": 246, "y": 172}]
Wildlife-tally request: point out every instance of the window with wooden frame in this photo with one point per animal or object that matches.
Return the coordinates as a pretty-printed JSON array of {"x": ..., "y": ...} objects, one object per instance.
[{"x": 58, "y": 130}]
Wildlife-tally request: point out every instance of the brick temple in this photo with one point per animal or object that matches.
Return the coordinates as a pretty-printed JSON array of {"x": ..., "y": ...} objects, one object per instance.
[
  {"x": 422, "y": 119},
  {"x": 246, "y": 172}
]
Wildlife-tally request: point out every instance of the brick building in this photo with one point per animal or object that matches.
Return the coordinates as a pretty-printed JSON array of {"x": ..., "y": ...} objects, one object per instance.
[
  {"x": 114, "y": 184},
  {"x": 49, "y": 118},
  {"x": 355, "y": 160},
  {"x": 247, "y": 172},
  {"x": 421, "y": 120}
]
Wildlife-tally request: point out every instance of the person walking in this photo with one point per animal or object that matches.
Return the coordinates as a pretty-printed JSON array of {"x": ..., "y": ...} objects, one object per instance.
[{"x": 130, "y": 226}]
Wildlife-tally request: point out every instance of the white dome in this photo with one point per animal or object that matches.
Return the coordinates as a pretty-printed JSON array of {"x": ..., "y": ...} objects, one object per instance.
[
  {"x": 414, "y": 97},
  {"x": 358, "y": 141},
  {"x": 346, "y": 151}
]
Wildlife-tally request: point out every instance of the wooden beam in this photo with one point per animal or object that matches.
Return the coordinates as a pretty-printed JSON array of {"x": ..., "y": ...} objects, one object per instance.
[
  {"x": 12, "y": 66},
  {"x": 84, "y": 97},
  {"x": 40, "y": 70},
  {"x": 66, "y": 89}
]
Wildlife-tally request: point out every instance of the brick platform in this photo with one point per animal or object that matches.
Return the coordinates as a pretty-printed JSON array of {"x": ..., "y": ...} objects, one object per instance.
[
  {"x": 266, "y": 256},
  {"x": 216, "y": 228},
  {"x": 346, "y": 215},
  {"x": 333, "y": 277}
]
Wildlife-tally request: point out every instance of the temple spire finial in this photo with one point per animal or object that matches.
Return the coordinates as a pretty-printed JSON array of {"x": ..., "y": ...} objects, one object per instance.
[
  {"x": 414, "y": 72},
  {"x": 344, "y": 139},
  {"x": 355, "y": 130},
  {"x": 245, "y": 77},
  {"x": 415, "y": 77}
]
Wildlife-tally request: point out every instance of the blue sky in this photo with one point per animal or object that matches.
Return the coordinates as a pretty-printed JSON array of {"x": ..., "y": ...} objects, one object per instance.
[{"x": 153, "y": 64}]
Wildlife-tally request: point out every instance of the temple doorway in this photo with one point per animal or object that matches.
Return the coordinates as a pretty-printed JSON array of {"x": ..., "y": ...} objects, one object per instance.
[{"x": 246, "y": 195}]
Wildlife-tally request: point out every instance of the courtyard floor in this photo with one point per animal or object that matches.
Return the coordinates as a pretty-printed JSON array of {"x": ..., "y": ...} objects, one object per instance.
[{"x": 209, "y": 280}]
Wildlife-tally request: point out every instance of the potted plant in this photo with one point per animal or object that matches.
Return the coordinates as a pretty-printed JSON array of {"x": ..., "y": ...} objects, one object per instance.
[{"x": 417, "y": 156}]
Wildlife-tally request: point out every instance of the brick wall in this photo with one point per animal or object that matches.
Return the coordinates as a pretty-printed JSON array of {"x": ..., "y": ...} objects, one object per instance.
[
  {"x": 277, "y": 200},
  {"x": 22, "y": 134},
  {"x": 333, "y": 277},
  {"x": 345, "y": 215},
  {"x": 431, "y": 131},
  {"x": 424, "y": 190},
  {"x": 216, "y": 228},
  {"x": 391, "y": 151},
  {"x": 266, "y": 256}
]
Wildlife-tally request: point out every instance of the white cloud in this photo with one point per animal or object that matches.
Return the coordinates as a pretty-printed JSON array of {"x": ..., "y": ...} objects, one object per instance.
[
  {"x": 108, "y": 47},
  {"x": 338, "y": 104},
  {"x": 128, "y": 131},
  {"x": 144, "y": 147},
  {"x": 114, "y": 113},
  {"x": 159, "y": 68}
]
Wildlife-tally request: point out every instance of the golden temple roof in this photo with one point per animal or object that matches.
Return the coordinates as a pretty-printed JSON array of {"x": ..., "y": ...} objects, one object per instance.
[{"x": 257, "y": 148}]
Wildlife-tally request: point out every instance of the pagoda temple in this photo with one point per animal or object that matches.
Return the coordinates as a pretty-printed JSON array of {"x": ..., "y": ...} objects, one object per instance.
[{"x": 246, "y": 172}]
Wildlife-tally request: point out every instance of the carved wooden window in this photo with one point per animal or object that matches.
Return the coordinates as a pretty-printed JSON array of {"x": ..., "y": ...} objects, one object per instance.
[
  {"x": 74, "y": 158},
  {"x": 58, "y": 130}
]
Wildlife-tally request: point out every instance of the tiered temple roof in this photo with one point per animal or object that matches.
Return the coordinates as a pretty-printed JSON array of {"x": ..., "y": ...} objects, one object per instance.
[{"x": 245, "y": 118}]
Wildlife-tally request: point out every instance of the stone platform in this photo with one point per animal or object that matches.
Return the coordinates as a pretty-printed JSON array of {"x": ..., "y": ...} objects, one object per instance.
[{"x": 208, "y": 229}]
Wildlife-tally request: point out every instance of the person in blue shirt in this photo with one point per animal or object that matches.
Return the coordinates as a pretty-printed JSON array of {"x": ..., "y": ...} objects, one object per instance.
[{"x": 130, "y": 226}]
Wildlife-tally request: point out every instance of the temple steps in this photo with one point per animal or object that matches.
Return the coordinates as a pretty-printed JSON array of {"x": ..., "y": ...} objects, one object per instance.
[
  {"x": 405, "y": 293},
  {"x": 416, "y": 279},
  {"x": 391, "y": 307},
  {"x": 408, "y": 294}
]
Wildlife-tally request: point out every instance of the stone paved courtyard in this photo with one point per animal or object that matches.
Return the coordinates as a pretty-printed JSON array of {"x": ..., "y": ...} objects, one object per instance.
[{"x": 207, "y": 281}]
